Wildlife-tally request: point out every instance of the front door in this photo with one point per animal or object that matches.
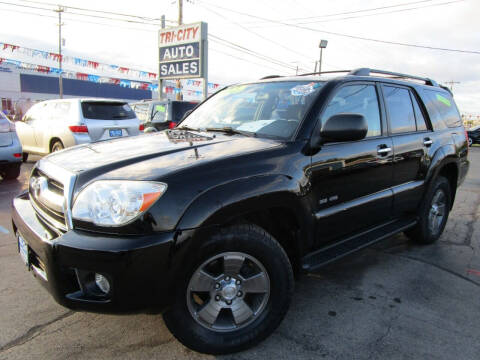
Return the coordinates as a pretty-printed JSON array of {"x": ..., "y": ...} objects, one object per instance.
[{"x": 352, "y": 180}]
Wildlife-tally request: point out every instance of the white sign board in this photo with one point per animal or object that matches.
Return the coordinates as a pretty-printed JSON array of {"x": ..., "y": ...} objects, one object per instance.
[{"x": 183, "y": 51}]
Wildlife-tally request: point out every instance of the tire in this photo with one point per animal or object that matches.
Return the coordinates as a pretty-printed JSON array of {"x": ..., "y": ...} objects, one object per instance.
[
  {"x": 470, "y": 141},
  {"x": 57, "y": 146},
  {"x": 432, "y": 215},
  {"x": 24, "y": 157},
  {"x": 269, "y": 301},
  {"x": 11, "y": 172}
]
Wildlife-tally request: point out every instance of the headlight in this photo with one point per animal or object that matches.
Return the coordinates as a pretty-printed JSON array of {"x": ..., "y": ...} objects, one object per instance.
[{"x": 116, "y": 202}]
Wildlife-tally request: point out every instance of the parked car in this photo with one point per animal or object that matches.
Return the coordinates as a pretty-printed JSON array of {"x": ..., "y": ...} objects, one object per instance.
[
  {"x": 10, "y": 149},
  {"x": 157, "y": 115},
  {"x": 210, "y": 221},
  {"x": 473, "y": 135},
  {"x": 53, "y": 125}
]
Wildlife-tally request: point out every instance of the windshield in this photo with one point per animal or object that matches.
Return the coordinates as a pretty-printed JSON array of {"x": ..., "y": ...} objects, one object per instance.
[{"x": 272, "y": 109}]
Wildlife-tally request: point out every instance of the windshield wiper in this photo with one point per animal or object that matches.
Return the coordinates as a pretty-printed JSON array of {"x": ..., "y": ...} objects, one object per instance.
[
  {"x": 187, "y": 128},
  {"x": 232, "y": 131}
]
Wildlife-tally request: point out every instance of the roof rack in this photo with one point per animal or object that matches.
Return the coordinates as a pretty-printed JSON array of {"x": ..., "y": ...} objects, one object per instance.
[
  {"x": 270, "y": 77},
  {"x": 395, "y": 75}
]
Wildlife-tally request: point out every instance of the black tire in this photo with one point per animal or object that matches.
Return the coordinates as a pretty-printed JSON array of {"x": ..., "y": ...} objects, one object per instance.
[
  {"x": 24, "y": 157},
  {"x": 422, "y": 233},
  {"x": 57, "y": 146},
  {"x": 250, "y": 240},
  {"x": 11, "y": 172},
  {"x": 470, "y": 141}
]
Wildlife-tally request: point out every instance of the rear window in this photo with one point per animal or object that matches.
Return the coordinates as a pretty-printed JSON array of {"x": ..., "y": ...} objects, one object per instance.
[
  {"x": 180, "y": 108},
  {"x": 442, "y": 109},
  {"x": 107, "y": 110}
]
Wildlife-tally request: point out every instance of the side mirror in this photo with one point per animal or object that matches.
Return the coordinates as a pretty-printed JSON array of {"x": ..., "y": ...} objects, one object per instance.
[{"x": 344, "y": 127}]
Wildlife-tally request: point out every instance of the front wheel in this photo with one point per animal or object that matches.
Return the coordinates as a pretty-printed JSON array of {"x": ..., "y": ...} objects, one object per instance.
[
  {"x": 433, "y": 213},
  {"x": 235, "y": 294}
]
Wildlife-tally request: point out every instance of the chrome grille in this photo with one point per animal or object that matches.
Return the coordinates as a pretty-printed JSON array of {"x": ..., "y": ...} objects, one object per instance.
[{"x": 50, "y": 194}]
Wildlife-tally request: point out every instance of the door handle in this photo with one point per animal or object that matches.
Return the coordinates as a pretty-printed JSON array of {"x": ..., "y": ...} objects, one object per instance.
[
  {"x": 384, "y": 150},
  {"x": 427, "y": 142}
]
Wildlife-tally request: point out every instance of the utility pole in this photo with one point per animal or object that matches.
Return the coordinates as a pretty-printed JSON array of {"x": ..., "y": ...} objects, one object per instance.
[
  {"x": 160, "y": 81},
  {"x": 180, "y": 22},
  {"x": 451, "y": 83},
  {"x": 60, "y": 10},
  {"x": 322, "y": 45}
]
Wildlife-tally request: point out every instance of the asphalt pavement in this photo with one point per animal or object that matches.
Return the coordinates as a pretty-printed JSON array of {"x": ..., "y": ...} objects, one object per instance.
[{"x": 396, "y": 300}]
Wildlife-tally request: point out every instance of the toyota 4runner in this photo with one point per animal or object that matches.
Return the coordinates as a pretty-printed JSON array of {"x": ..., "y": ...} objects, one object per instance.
[{"x": 209, "y": 222}]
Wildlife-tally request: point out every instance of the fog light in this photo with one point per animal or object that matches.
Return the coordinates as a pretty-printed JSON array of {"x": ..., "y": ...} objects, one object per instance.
[{"x": 102, "y": 283}]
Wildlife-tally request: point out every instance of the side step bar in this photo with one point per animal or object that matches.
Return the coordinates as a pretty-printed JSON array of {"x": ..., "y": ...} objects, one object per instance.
[{"x": 347, "y": 246}]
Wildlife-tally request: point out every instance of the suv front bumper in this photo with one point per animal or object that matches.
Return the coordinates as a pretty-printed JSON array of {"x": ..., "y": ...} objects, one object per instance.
[{"x": 137, "y": 267}]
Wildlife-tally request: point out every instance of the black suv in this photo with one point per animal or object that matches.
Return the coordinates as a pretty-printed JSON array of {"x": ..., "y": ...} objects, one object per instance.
[
  {"x": 209, "y": 222},
  {"x": 473, "y": 135}
]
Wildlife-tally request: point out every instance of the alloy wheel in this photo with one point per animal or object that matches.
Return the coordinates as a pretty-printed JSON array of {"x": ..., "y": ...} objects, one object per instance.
[
  {"x": 437, "y": 212},
  {"x": 228, "y": 291}
]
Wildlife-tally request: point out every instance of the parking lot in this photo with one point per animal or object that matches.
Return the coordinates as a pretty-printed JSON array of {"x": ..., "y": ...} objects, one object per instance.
[{"x": 394, "y": 301}]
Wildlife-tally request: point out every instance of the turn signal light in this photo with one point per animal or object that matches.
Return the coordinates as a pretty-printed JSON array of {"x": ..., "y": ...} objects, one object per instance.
[
  {"x": 172, "y": 125},
  {"x": 78, "y": 128}
]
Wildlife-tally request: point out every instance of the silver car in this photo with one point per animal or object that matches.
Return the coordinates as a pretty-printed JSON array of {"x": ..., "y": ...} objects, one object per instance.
[
  {"x": 57, "y": 124},
  {"x": 10, "y": 149}
]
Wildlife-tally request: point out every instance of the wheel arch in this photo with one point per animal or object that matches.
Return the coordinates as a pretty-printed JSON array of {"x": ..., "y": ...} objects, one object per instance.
[{"x": 52, "y": 141}]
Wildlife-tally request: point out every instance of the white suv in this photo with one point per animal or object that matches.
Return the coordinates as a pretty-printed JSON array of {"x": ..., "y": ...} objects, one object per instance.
[{"x": 56, "y": 124}]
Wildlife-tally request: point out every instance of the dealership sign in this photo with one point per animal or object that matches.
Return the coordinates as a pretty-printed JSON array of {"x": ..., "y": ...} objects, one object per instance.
[{"x": 183, "y": 51}]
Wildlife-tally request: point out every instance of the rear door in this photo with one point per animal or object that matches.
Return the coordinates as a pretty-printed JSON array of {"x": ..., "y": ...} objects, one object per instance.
[
  {"x": 25, "y": 129},
  {"x": 5, "y": 134},
  {"x": 107, "y": 119},
  {"x": 411, "y": 142},
  {"x": 352, "y": 180}
]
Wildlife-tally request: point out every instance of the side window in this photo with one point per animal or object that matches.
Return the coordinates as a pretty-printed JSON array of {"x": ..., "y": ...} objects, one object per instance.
[
  {"x": 421, "y": 124},
  {"x": 358, "y": 99},
  {"x": 442, "y": 109},
  {"x": 400, "y": 109}
]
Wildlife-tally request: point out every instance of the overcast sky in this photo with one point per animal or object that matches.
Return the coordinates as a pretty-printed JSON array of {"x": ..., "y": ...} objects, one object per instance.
[{"x": 451, "y": 24}]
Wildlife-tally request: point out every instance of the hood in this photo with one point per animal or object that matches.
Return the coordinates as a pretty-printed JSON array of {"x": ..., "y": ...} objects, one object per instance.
[{"x": 151, "y": 155}]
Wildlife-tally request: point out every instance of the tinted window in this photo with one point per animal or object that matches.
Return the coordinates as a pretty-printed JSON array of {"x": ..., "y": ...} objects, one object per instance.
[
  {"x": 357, "y": 99},
  {"x": 180, "y": 108},
  {"x": 400, "y": 109},
  {"x": 107, "y": 110},
  {"x": 421, "y": 125},
  {"x": 442, "y": 109}
]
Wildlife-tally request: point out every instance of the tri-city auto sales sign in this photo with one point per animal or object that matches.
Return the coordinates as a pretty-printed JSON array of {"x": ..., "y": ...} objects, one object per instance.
[{"x": 182, "y": 51}]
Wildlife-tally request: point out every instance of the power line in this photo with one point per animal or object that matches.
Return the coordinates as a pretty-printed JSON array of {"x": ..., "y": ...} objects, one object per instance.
[
  {"x": 255, "y": 33},
  {"x": 357, "y": 11},
  {"x": 376, "y": 14},
  {"x": 349, "y": 36},
  {"x": 98, "y": 11}
]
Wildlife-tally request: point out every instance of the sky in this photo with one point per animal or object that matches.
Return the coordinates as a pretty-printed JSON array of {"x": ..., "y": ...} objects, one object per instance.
[{"x": 283, "y": 34}]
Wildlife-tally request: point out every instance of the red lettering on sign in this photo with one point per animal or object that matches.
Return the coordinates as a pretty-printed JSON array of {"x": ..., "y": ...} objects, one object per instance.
[
  {"x": 195, "y": 31},
  {"x": 180, "y": 35}
]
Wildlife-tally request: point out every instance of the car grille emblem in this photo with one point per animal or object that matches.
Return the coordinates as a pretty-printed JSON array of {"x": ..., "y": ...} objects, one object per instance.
[{"x": 38, "y": 184}]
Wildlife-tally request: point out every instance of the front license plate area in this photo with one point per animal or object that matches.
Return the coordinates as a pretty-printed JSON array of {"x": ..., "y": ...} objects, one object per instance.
[
  {"x": 116, "y": 133},
  {"x": 23, "y": 250}
]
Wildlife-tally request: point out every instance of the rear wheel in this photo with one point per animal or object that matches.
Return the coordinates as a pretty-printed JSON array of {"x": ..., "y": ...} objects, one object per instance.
[
  {"x": 57, "y": 146},
  {"x": 470, "y": 141},
  {"x": 11, "y": 172},
  {"x": 433, "y": 213},
  {"x": 235, "y": 294},
  {"x": 24, "y": 157}
]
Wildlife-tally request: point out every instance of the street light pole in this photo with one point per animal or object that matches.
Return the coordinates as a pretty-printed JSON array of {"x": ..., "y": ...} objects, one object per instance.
[
  {"x": 160, "y": 81},
  {"x": 60, "y": 10},
  {"x": 322, "y": 45}
]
